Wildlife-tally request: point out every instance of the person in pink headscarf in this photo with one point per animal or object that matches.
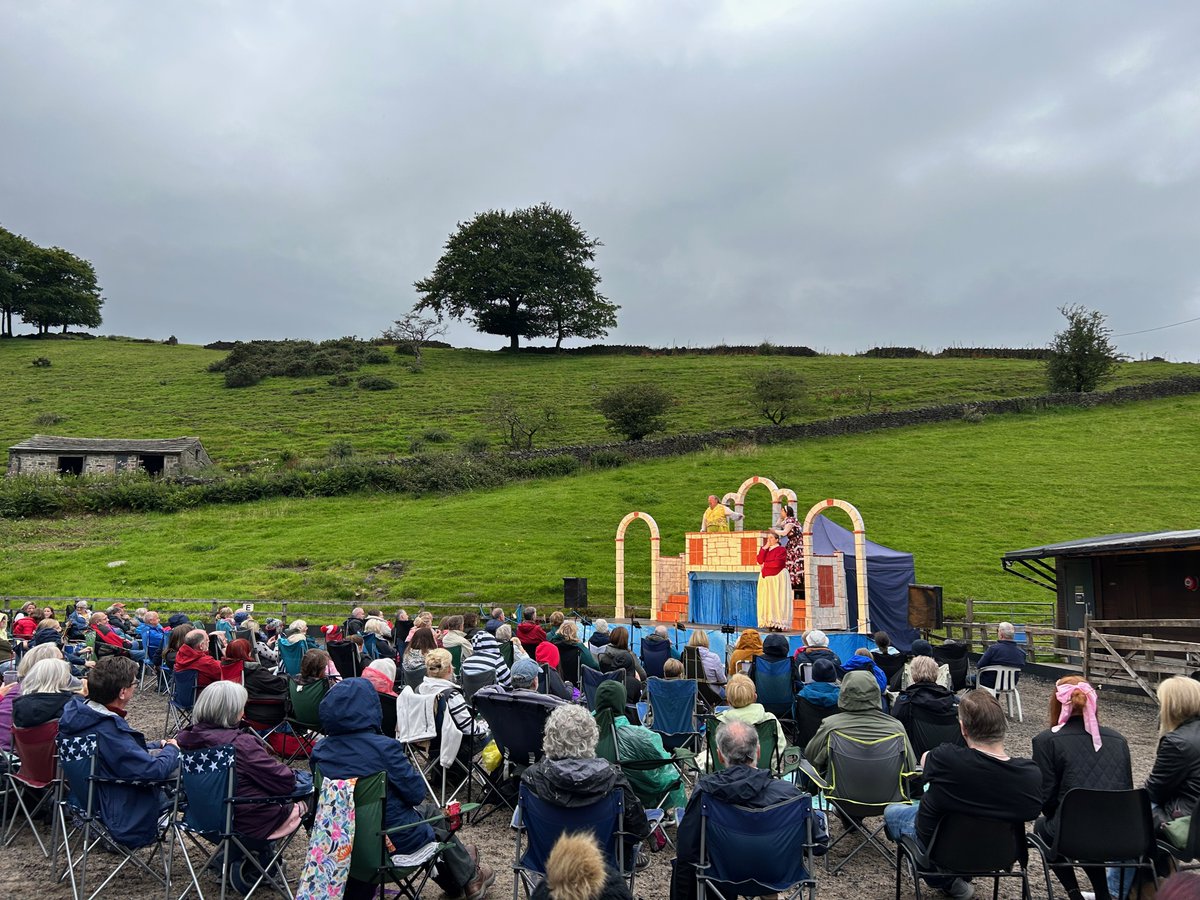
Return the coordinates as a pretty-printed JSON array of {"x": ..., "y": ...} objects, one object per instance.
[{"x": 1077, "y": 751}]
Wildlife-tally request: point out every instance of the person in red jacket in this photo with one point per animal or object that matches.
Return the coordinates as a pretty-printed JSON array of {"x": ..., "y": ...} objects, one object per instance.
[
  {"x": 194, "y": 655},
  {"x": 529, "y": 632},
  {"x": 774, "y": 585},
  {"x": 104, "y": 634}
]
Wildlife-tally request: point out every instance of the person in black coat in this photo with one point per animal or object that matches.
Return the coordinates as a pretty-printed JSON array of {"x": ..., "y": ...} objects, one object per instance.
[
  {"x": 1076, "y": 751},
  {"x": 1174, "y": 782},
  {"x": 44, "y": 693},
  {"x": 928, "y": 711}
]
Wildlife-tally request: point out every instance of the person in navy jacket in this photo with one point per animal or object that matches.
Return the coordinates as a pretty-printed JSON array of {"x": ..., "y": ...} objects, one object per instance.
[
  {"x": 130, "y": 812},
  {"x": 1005, "y": 652}
]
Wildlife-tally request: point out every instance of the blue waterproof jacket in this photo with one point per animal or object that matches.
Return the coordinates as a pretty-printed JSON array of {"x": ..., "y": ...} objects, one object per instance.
[
  {"x": 821, "y": 693},
  {"x": 866, "y": 664},
  {"x": 130, "y": 812},
  {"x": 355, "y": 747}
]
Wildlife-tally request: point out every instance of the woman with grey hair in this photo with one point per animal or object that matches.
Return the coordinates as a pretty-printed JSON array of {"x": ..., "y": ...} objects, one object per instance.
[
  {"x": 217, "y": 718},
  {"x": 569, "y": 774},
  {"x": 599, "y": 636},
  {"x": 44, "y": 692}
]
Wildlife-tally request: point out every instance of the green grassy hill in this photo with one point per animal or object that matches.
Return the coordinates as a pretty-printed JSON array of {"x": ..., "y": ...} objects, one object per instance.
[
  {"x": 957, "y": 495},
  {"x": 105, "y": 388}
]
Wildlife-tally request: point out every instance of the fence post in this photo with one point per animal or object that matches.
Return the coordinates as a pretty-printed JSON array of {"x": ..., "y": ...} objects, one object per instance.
[
  {"x": 1087, "y": 646},
  {"x": 284, "y": 615}
]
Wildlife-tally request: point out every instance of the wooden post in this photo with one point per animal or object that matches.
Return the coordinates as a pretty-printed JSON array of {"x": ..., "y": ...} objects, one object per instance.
[{"x": 1086, "y": 647}]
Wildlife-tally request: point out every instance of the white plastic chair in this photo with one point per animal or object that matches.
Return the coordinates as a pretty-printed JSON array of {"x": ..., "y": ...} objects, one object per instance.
[{"x": 1004, "y": 688}]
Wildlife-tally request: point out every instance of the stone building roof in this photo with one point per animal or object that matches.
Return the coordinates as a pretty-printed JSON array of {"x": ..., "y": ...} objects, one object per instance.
[{"x": 51, "y": 444}]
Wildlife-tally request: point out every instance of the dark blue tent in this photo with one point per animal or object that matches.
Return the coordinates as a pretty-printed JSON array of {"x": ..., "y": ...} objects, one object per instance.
[{"x": 889, "y": 573}]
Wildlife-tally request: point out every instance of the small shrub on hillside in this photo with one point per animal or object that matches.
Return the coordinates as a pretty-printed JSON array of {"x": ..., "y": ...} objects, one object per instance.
[
  {"x": 41, "y": 362},
  {"x": 341, "y": 449},
  {"x": 777, "y": 393},
  {"x": 477, "y": 444},
  {"x": 636, "y": 410},
  {"x": 545, "y": 466},
  {"x": 416, "y": 445},
  {"x": 242, "y": 376},
  {"x": 973, "y": 414},
  {"x": 1083, "y": 354},
  {"x": 377, "y": 358},
  {"x": 437, "y": 436},
  {"x": 33, "y": 399},
  {"x": 340, "y": 381},
  {"x": 413, "y": 366},
  {"x": 376, "y": 383},
  {"x": 300, "y": 392},
  {"x": 608, "y": 459},
  {"x": 49, "y": 418},
  {"x": 171, "y": 341},
  {"x": 288, "y": 459}
]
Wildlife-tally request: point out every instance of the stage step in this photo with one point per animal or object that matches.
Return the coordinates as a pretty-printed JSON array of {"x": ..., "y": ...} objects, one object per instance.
[{"x": 675, "y": 609}]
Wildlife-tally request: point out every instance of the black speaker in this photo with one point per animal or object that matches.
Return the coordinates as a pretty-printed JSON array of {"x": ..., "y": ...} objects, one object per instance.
[{"x": 575, "y": 593}]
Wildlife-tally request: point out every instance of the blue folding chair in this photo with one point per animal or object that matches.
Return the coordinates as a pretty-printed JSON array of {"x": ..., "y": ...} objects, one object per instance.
[
  {"x": 673, "y": 712},
  {"x": 593, "y": 678},
  {"x": 155, "y": 646},
  {"x": 81, "y": 819},
  {"x": 539, "y": 825},
  {"x": 207, "y": 779},
  {"x": 371, "y": 646},
  {"x": 654, "y": 657},
  {"x": 732, "y": 862},
  {"x": 773, "y": 684},
  {"x": 179, "y": 706}
]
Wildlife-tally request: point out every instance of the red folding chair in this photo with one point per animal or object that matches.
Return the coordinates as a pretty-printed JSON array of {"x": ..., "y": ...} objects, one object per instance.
[{"x": 36, "y": 749}]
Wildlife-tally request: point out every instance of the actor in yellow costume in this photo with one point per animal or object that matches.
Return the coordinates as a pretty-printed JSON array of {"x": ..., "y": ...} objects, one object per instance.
[{"x": 716, "y": 517}]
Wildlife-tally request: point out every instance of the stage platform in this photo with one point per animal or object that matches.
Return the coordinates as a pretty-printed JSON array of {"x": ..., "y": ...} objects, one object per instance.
[{"x": 843, "y": 643}]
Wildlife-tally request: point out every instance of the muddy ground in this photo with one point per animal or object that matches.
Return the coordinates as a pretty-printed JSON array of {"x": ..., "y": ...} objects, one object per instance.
[{"x": 25, "y": 873}]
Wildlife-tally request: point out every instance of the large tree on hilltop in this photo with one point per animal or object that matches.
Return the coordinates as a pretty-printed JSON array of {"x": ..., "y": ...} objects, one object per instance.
[
  {"x": 60, "y": 290},
  {"x": 15, "y": 255},
  {"x": 525, "y": 273}
]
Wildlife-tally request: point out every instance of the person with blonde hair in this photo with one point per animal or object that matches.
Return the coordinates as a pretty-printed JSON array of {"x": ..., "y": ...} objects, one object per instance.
[
  {"x": 742, "y": 697},
  {"x": 710, "y": 664},
  {"x": 1076, "y": 751},
  {"x": 1174, "y": 782},
  {"x": 439, "y": 679},
  {"x": 575, "y": 870}
]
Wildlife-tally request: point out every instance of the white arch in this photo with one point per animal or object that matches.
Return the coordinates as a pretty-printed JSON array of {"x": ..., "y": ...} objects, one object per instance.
[
  {"x": 860, "y": 557},
  {"x": 740, "y": 496},
  {"x": 785, "y": 494},
  {"x": 625, "y": 522}
]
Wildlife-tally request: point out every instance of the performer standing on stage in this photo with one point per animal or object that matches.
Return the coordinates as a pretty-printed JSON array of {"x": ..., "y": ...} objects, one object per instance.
[
  {"x": 716, "y": 517},
  {"x": 791, "y": 536},
  {"x": 774, "y": 585}
]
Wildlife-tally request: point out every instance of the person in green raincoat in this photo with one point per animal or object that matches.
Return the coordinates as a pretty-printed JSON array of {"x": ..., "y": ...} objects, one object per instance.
[{"x": 636, "y": 744}]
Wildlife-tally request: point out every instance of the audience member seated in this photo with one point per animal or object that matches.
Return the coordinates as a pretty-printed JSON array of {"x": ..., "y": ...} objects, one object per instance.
[
  {"x": 577, "y": 870},
  {"x": 556, "y": 621},
  {"x": 152, "y": 634},
  {"x": 261, "y": 685},
  {"x": 775, "y": 647},
  {"x": 355, "y": 748},
  {"x": 297, "y": 634},
  {"x": 569, "y": 773},
  {"x": 113, "y": 638},
  {"x": 77, "y": 622},
  {"x": 1076, "y": 751},
  {"x": 175, "y": 641},
  {"x": 1174, "y": 782},
  {"x": 355, "y": 624},
  {"x": 862, "y": 661},
  {"x": 928, "y": 711},
  {"x": 979, "y": 780},
  {"x": 217, "y": 718},
  {"x": 618, "y": 656},
  {"x": 194, "y": 655},
  {"x": 816, "y": 646},
  {"x": 921, "y": 648},
  {"x": 740, "y": 783},
  {"x": 129, "y": 811},
  {"x": 568, "y": 644},
  {"x": 883, "y": 644},
  {"x": 529, "y": 632},
  {"x": 599, "y": 637},
  {"x": 672, "y": 670},
  {"x": 860, "y": 718},
  {"x": 748, "y": 646},
  {"x": 525, "y": 678},
  {"x": 439, "y": 679},
  {"x": 656, "y": 650},
  {"x": 6, "y": 647},
  {"x": 485, "y": 657},
  {"x": 742, "y": 697},
  {"x": 636, "y": 743},
  {"x": 315, "y": 666},
  {"x": 420, "y": 643},
  {"x": 817, "y": 701},
  {"x": 547, "y": 657},
  {"x": 381, "y": 630},
  {"x": 26, "y": 623},
  {"x": 714, "y": 668},
  {"x": 1005, "y": 652},
  {"x": 49, "y": 631},
  {"x": 224, "y": 623},
  {"x": 454, "y": 637},
  {"x": 382, "y": 675},
  {"x": 495, "y": 620},
  {"x": 43, "y": 694}
]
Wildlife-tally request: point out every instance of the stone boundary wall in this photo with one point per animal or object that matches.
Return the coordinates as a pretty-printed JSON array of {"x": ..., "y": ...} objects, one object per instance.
[{"x": 773, "y": 434}]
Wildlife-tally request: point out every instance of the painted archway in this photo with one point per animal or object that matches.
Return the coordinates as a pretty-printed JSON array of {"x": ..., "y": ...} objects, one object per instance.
[
  {"x": 653, "y": 526},
  {"x": 860, "y": 556},
  {"x": 740, "y": 497}
]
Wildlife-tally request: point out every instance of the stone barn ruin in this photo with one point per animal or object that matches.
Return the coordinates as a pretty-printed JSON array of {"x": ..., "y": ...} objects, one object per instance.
[{"x": 45, "y": 454}]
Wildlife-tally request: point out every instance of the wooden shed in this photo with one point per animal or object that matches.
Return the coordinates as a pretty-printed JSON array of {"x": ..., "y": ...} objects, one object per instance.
[
  {"x": 1144, "y": 576},
  {"x": 45, "y": 454}
]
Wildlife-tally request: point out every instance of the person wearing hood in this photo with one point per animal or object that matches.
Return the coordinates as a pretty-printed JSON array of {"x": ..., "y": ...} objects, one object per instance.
[
  {"x": 927, "y": 710},
  {"x": 569, "y": 774},
  {"x": 599, "y": 636},
  {"x": 816, "y": 646},
  {"x": 748, "y": 646},
  {"x": 130, "y": 812},
  {"x": 529, "y": 632},
  {"x": 547, "y": 655},
  {"x": 485, "y": 657},
  {"x": 863, "y": 661},
  {"x": 861, "y": 717},
  {"x": 740, "y": 783},
  {"x": 355, "y": 747},
  {"x": 636, "y": 743},
  {"x": 261, "y": 685},
  {"x": 194, "y": 655},
  {"x": 816, "y": 701},
  {"x": 923, "y": 648},
  {"x": 742, "y": 696},
  {"x": 775, "y": 647},
  {"x": 216, "y": 723}
]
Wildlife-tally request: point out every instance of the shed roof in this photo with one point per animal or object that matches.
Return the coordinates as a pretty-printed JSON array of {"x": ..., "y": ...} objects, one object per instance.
[
  {"x": 51, "y": 444},
  {"x": 1111, "y": 543}
]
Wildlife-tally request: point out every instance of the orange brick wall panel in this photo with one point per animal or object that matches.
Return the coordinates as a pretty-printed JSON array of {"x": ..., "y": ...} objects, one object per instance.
[
  {"x": 749, "y": 552},
  {"x": 696, "y": 551}
]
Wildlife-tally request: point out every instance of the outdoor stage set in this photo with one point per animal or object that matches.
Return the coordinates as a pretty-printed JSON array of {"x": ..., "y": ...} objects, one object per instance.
[{"x": 712, "y": 585}]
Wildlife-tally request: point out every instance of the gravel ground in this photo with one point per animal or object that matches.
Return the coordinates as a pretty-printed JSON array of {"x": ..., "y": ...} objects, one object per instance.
[{"x": 23, "y": 870}]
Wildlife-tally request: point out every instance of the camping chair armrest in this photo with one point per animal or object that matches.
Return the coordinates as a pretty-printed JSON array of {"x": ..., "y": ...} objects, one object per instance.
[
  {"x": 466, "y": 808},
  {"x": 790, "y": 760},
  {"x": 813, "y": 775},
  {"x": 130, "y": 782},
  {"x": 283, "y": 798},
  {"x": 1176, "y": 853},
  {"x": 907, "y": 844},
  {"x": 914, "y": 782}
]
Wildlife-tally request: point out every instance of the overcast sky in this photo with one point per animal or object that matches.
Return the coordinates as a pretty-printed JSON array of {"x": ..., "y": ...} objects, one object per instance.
[{"x": 841, "y": 175}]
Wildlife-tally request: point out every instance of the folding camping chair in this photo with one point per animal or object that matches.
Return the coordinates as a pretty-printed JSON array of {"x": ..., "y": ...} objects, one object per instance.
[
  {"x": 207, "y": 779},
  {"x": 967, "y": 847},
  {"x": 732, "y": 861},
  {"x": 773, "y": 684},
  {"x": 538, "y": 825},
  {"x": 447, "y": 777},
  {"x": 304, "y": 702},
  {"x": 673, "y": 712},
  {"x": 456, "y": 651},
  {"x": 179, "y": 706},
  {"x": 81, "y": 806},
  {"x": 346, "y": 660},
  {"x": 473, "y": 682},
  {"x": 291, "y": 654},
  {"x": 707, "y": 697},
  {"x": 593, "y": 678},
  {"x": 864, "y": 778},
  {"x": 768, "y": 752},
  {"x": 518, "y": 726},
  {"x": 36, "y": 749}
]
